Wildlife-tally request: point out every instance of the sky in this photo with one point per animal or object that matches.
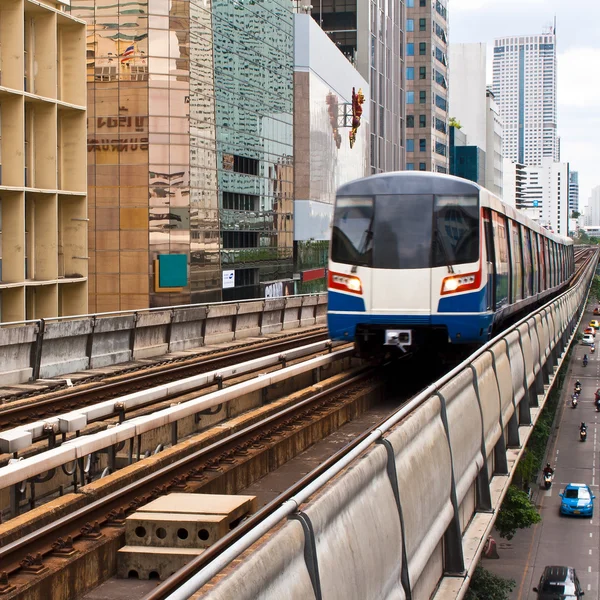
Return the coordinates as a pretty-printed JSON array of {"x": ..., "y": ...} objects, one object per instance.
[{"x": 578, "y": 65}]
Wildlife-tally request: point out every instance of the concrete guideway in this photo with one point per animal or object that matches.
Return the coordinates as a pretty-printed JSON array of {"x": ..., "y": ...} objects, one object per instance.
[
  {"x": 412, "y": 515},
  {"x": 18, "y": 438},
  {"x": 82, "y": 447},
  {"x": 560, "y": 540},
  {"x": 51, "y": 347}
]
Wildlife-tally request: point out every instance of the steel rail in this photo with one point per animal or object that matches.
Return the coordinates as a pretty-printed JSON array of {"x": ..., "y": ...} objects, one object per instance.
[
  {"x": 108, "y": 391},
  {"x": 73, "y": 521}
]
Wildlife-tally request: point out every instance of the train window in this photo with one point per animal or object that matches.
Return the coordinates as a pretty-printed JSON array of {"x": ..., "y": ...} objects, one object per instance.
[
  {"x": 352, "y": 234},
  {"x": 552, "y": 263},
  {"x": 501, "y": 256},
  {"x": 542, "y": 261},
  {"x": 516, "y": 259},
  {"x": 548, "y": 263},
  {"x": 455, "y": 230},
  {"x": 534, "y": 262},
  {"x": 527, "y": 266},
  {"x": 403, "y": 231}
]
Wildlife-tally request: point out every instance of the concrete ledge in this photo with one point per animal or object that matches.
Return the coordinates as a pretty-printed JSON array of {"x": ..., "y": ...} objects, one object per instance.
[{"x": 66, "y": 344}]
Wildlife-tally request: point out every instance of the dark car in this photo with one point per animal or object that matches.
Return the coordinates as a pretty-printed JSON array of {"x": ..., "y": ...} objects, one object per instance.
[{"x": 558, "y": 583}]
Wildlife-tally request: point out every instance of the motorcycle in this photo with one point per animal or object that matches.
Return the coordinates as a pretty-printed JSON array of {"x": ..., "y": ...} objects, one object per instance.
[
  {"x": 548, "y": 480},
  {"x": 582, "y": 435},
  {"x": 574, "y": 401},
  {"x": 578, "y": 388},
  {"x": 597, "y": 403},
  {"x": 585, "y": 362}
]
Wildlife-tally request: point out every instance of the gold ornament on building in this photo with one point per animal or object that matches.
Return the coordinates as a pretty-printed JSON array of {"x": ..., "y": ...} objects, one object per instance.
[{"x": 357, "y": 101}]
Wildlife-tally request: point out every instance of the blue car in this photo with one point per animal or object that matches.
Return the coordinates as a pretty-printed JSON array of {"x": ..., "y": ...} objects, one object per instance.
[{"x": 577, "y": 499}]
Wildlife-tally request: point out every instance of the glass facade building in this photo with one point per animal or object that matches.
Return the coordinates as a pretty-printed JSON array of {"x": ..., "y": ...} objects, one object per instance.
[
  {"x": 189, "y": 148},
  {"x": 370, "y": 33}
]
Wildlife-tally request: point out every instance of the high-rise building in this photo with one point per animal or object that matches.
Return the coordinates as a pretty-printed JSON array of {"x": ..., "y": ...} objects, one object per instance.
[
  {"x": 546, "y": 195},
  {"x": 473, "y": 105},
  {"x": 514, "y": 178},
  {"x": 190, "y": 150},
  {"x": 427, "y": 86},
  {"x": 524, "y": 85},
  {"x": 371, "y": 35},
  {"x": 573, "y": 191},
  {"x": 43, "y": 201},
  {"x": 467, "y": 160},
  {"x": 592, "y": 210},
  {"x": 323, "y": 157},
  {"x": 494, "y": 159}
]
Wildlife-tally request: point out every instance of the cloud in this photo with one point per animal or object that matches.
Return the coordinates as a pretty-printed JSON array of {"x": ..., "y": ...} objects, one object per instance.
[
  {"x": 577, "y": 86},
  {"x": 466, "y": 5}
]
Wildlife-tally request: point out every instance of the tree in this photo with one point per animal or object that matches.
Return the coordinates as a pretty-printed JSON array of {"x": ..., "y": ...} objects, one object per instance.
[
  {"x": 454, "y": 122},
  {"x": 487, "y": 586},
  {"x": 575, "y": 214},
  {"x": 516, "y": 512},
  {"x": 583, "y": 237}
]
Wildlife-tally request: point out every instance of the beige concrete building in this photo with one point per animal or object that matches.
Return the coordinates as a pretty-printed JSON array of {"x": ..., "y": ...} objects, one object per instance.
[
  {"x": 43, "y": 175},
  {"x": 427, "y": 86}
]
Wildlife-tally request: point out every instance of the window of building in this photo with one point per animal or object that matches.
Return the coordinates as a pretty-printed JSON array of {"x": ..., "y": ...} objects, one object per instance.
[
  {"x": 410, "y": 3},
  {"x": 240, "y": 239},
  {"x": 234, "y": 201},
  {"x": 410, "y": 73},
  {"x": 441, "y": 102},
  {"x": 410, "y": 166},
  {"x": 422, "y": 97},
  {"x": 410, "y": 120},
  {"x": 422, "y": 145},
  {"x": 422, "y": 24},
  {"x": 422, "y": 72},
  {"x": 240, "y": 164},
  {"x": 422, "y": 48},
  {"x": 410, "y": 97},
  {"x": 410, "y": 145},
  {"x": 410, "y": 49},
  {"x": 422, "y": 2},
  {"x": 410, "y": 24},
  {"x": 422, "y": 166},
  {"x": 422, "y": 121}
]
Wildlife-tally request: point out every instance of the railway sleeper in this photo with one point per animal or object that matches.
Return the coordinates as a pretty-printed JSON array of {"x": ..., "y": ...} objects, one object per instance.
[{"x": 95, "y": 559}]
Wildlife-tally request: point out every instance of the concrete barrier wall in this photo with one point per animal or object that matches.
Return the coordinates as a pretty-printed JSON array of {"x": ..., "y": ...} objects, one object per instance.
[
  {"x": 54, "y": 347},
  {"x": 448, "y": 454}
]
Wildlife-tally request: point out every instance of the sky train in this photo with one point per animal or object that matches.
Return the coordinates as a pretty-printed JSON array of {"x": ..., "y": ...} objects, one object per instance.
[{"x": 419, "y": 258}]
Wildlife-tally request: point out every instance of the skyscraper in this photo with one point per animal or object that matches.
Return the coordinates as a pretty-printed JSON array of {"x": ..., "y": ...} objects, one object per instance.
[
  {"x": 371, "y": 35},
  {"x": 190, "y": 150},
  {"x": 525, "y": 90},
  {"x": 427, "y": 86},
  {"x": 573, "y": 191}
]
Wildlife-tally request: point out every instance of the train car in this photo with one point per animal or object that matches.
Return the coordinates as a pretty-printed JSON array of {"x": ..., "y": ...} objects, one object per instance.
[{"x": 422, "y": 258}]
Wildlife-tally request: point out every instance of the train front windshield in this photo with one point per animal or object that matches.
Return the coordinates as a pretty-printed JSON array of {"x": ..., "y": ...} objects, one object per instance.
[{"x": 405, "y": 231}]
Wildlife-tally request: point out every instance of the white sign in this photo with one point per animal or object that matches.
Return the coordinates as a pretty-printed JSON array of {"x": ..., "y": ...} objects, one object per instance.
[{"x": 228, "y": 279}]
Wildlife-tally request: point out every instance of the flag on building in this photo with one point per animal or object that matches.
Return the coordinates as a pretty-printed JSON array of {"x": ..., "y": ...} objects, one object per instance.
[{"x": 128, "y": 54}]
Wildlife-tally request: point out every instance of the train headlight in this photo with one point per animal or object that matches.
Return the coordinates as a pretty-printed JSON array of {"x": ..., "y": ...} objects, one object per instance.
[
  {"x": 461, "y": 283},
  {"x": 346, "y": 283}
]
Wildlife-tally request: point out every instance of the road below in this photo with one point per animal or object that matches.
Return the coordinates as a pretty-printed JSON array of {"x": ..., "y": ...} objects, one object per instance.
[{"x": 560, "y": 540}]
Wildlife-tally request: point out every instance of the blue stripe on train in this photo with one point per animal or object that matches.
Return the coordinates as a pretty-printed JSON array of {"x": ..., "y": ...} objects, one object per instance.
[
  {"x": 471, "y": 302},
  {"x": 462, "y": 329},
  {"x": 349, "y": 302}
]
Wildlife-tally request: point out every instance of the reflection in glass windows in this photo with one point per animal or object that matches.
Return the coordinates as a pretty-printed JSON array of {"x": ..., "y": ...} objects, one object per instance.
[{"x": 190, "y": 120}]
